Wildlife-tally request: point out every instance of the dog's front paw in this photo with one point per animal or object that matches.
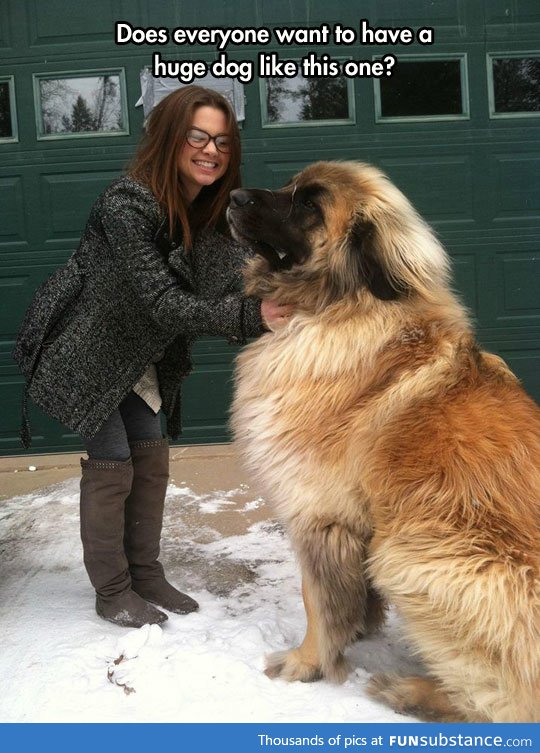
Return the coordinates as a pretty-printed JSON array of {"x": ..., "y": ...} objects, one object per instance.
[{"x": 290, "y": 666}]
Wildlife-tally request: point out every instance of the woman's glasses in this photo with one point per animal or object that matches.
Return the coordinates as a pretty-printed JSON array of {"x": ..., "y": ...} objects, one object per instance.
[{"x": 199, "y": 139}]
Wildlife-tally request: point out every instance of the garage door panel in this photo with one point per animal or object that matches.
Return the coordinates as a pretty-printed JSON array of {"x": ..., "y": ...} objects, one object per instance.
[
  {"x": 66, "y": 199},
  {"x": 517, "y": 188},
  {"x": 526, "y": 363},
  {"x": 515, "y": 292},
  {"x": 450, "y": 17},
  {"x": 271, "y": 173},
  {"x": 13, "y": 227},
  {"x": 506, "y": 20},
  {"x": 465, "y": 281},
  {"x": 508, "y": 293},
  {"x": 308, "y": 12},
  {"x": 17, "y": 287},
  {"x": 440, "y": 186},
  {"x": 47, "y": 434},
  {"x": 204, "y": 394},
  {"x": 520, "y": 276},
  {"x": 82, "y": 23},
  {"x": 204, "y": 419},
  {"x": 474, "y": 176},
  {"x": 5, "y": 30},
  {"x": 85, "y": 25}
]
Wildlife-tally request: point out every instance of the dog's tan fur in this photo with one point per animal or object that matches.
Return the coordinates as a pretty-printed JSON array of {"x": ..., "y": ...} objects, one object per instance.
[{"x": 403, "y": 461}]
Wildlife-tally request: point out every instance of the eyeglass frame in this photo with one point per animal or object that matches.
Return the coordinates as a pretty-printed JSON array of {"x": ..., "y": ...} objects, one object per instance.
[{"x": 208, "y": 140}]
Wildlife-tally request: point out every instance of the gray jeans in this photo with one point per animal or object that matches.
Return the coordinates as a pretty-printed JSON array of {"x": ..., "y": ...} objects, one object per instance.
[{"x": 131, "y": 422}]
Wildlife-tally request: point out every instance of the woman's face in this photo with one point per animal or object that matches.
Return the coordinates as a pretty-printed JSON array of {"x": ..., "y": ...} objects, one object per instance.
[{"x": 202, "y": 166}]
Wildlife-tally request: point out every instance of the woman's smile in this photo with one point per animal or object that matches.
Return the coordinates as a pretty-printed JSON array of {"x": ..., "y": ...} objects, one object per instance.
[{"x": 202, "y": 166}]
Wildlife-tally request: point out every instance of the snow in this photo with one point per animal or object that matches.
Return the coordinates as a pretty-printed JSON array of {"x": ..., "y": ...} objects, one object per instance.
[{"x": 61, "y": 663}]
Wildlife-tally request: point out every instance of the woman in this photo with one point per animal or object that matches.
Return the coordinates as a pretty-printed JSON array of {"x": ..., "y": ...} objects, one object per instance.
[{"x": 107, "y": 339}]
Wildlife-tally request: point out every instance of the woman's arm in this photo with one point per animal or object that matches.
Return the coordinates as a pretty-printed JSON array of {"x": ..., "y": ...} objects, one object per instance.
[{"x": 129, "y": 216}]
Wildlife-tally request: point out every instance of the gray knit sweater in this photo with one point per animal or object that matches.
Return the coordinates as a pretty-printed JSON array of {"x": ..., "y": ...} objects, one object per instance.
[{"x": 127, "y": 294}]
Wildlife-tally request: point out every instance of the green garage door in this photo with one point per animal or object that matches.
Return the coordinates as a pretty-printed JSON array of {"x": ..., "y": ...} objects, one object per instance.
[{"x": 456, "y": 126}]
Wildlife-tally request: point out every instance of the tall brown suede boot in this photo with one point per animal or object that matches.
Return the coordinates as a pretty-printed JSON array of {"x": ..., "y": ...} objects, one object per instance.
[
  {"x": 105, "y": 484},
  {"x": 144, "y": 519}
]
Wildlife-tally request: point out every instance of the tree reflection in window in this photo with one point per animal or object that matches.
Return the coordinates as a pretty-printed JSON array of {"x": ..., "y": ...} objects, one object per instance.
[
  {"x": 300, "y": 100},
  {"x": 516, "y": 84},
  {"x": 81, "y": 104}
]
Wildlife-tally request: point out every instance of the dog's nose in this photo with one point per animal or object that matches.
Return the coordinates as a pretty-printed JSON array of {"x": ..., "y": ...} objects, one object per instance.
[{"x": 240, "y": 197}]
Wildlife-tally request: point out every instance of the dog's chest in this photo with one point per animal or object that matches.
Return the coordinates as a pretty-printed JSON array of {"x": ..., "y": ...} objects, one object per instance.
[
  {"x": 288, "y": 426},
  {"x": 276, "y": 396}
]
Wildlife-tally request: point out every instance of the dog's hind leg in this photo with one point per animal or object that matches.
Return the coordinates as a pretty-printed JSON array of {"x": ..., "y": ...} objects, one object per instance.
[
  {"x": 485, "y": 694},
  {"x": 337, "y": 597},
  {"x": 423, "y": 697}
]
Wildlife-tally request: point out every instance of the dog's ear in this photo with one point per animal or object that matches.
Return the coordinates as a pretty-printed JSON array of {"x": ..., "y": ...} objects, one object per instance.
[{"x": 370, "y": 268}]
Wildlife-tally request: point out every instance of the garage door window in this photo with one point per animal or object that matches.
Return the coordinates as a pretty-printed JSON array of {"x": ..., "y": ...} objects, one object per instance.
[
  {"x": 514, "y": 85},
  {"x": 8, "y": 119},
  {"x": 82, "y": 104},
  {"x": 433, "y": 88},
  {"x": 303, "y": 101}
]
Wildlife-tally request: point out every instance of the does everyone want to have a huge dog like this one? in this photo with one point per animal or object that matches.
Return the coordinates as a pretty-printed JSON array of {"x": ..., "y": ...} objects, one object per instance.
[{"x": 403, "y": 460}]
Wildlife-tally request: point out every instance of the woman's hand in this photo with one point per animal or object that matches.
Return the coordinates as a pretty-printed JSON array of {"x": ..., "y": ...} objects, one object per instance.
[{"x": 275, "y": 315}]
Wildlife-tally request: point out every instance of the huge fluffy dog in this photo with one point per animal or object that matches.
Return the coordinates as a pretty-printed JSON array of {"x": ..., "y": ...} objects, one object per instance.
[{"x": 403, "y": 461}]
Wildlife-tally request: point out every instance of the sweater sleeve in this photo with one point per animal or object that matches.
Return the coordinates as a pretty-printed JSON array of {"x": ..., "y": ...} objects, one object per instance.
[{"x": 129, "y": 219}]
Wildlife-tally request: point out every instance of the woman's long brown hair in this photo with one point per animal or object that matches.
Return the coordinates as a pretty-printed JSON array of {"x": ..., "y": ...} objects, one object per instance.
[{"x": 156, "y": 161}]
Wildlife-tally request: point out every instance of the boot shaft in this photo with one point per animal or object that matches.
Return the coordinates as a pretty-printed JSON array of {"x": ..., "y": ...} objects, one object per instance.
[
  {"x": 105, "y": 486},
  {"x": 144, "y": 520},
  {"x": 144, "y": 507}
]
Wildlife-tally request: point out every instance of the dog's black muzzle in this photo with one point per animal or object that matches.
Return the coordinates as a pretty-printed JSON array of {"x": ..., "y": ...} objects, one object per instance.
[
  {"x": 241, "y": 198},
  {"x": 258, "y": 218}
]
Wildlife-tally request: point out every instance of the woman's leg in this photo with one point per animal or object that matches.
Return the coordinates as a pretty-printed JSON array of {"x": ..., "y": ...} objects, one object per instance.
[
  {"x": 145, "y": 506},
  {"x": 111, "y": 441},
  {"x": 139, "y": 420},
  {"x": 106, "y": 483}
]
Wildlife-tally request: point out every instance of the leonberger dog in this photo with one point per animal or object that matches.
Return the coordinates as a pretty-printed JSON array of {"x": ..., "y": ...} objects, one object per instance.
[{"x": 401, "y": 458}]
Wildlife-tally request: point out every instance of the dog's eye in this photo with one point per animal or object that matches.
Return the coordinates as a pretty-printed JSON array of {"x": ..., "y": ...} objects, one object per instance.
[{"x": 309, "y": 204}]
